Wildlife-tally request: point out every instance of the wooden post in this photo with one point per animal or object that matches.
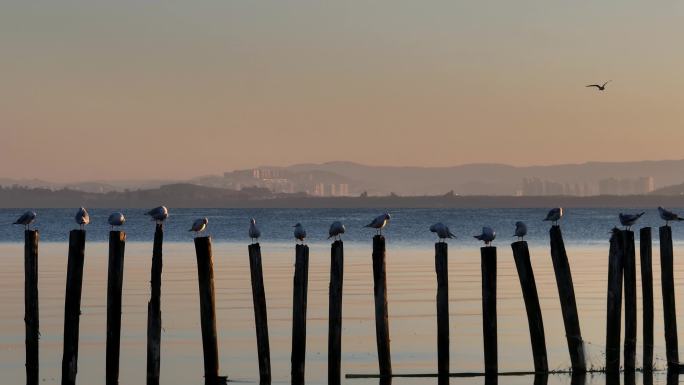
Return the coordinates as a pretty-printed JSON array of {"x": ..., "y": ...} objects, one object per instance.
[
  {"x": 31, "y": 318},
  {"x": 72, "y": 305},
  {"x": 335, "y": 313},
  {"x": 205, "y": 278},
  {"x": 299, "y": 302},
  {"x": 614, "y": 301},
  {"x": 117, "y": 243},
  {"x": 442, "y": 270},
  {"x": 667, "y": 280},
  {"x": 260, "y": 316},
  {"x": 489, "y": 332},
  {"x": 521, "y": 255},
  {"x": 154, "y": 322},
  {"x": 645, "y": 251},
  {"x": 566, "y": 292},
  {"x": 381, "y": 314},
  {"x": 630, "y": 302}
]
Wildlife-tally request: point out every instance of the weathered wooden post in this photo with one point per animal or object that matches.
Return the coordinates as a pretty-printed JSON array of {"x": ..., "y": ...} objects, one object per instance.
[
  {"x": 489, "y": 330},
  {"x": 117, "y": 243},
  {"x": 154, "y": 322},
  {"x": 31, "y": 318},
  {"x": 381, "y": 314},
  {"x": 667, "y": 280},
  {"x": 260, "y": 316},
  {"x": 521, "y": 255},
  {"x": 72, "y": 305},
  {"x": 614, "y": 301},
  {"x": 299, "y": 302},
  {"x": 645, "y": 251},
  {"x": 442, "y": 270},
  {"x": 335, "y": 312},
  {"x": 566, "y": 292},
  {"x": 630, "y": 302},
  {"x": 205, "y": 278}
]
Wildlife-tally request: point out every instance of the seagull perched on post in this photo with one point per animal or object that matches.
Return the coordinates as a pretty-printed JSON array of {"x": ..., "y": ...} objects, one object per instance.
[
  {"x": 379, "y": 222},
  {"x": 299, "y": 232},
  {"x": 668, "y": 216},
  {"x": 520, "y": 230},
  {"x": 554, "y": 215},
  {"x": 116, "y": 219},
  {"x": 600, "y": 87},
  {"x": 199, "y": 225},
  {"x": 487, "y": 235},
  {"x": 82, "y": 218},
  {"x": 158, "y": 214},
  {"x": 628, "y": 220},
  {"x": 336, "y": 230},
  {"x": 26, "y": 219},
  {"x": 442, "y": 231},
  {"x": 254, "y": 232}
]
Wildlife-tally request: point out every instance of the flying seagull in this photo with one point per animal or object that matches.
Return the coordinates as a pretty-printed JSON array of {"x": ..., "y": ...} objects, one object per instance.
[
  {"x": 254, "y": 232},
  {"x": 336, "y": 230},
  {"x": 158, "y": 214},
  {"x": 379, "y": 222},
  {"x": 668, "y": 216},
  {"x": 199, "y": 225},
  {"x": 26, "y": 219},
  {"x": 116, "y": 219},
  {"x": 600, "y": 87},
  {"x": 442, "y": 231},
  {"x": 554, "y": 215},
  {"x": 299, "y": 232},
  {"x": 487, "y": 235},
  {"x": 82, "y": 218},
  {"x": 628, "y": 220},
  {"x": 520, "y": 230}
]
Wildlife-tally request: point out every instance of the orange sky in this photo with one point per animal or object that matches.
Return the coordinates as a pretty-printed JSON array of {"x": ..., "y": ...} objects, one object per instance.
[{"x": 114, "y": 90}]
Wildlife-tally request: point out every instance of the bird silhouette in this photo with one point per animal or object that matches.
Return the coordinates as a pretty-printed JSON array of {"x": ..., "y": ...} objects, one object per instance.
[
  {"x": 336, "y": 230},
  {"x": 520, "y": 230},
  {"x": 26, "y": 219},
  {"x": 600, "y": 87},
  {"x": 379, "y": 223},
  {"x": 254, "y": 232},
  {"x": 299, "y": 232},
  {"x": 442, "y": 231}
]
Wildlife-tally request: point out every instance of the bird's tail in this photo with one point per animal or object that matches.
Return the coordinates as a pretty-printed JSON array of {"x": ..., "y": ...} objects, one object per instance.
[
  {"x": 368, "y": 225},
  {"x": 641, "y": 213}
]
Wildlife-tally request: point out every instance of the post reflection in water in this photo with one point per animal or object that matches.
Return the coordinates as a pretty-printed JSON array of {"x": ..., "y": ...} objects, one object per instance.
[
  {"x": 672, "y": 377},
  {"x": 580, "y": 379},
  {"x": 443, "y": 380},
  {"x": 385, "y": 381},
  {"x": 647, "y": 378},
  {"x": 491, "y": 379},
  {"x": 541, "y": 379},
  {"x": 630, "y": 378}
]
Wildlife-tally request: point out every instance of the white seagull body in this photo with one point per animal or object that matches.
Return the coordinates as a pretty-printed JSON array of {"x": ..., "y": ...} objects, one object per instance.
[
  {"x": 628, "y": 220},
  {"x": 299, "y": 232},
  {"x": 442, "y": 231},
  {"x": 26, "y": 219},
  {"x": 336, "y": 230},
  {"x": 254, "y": 232},
  {"x": 82, "y": 218},
  {"x": 668, "y": 216},
  {"x": 487, "y": 235},
  {"x": 116, "y": 219},
  {"x": 199, "y": 225},
  {"x": 158, "y": 214},
  {"x": 554, "y": 215},
  {"x": 520, "y": 230},
  {"x": 379, "y": 222}
]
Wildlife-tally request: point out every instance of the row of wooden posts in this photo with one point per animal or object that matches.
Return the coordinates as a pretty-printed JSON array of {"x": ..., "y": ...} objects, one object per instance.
[{"x": 621, "y": 273}]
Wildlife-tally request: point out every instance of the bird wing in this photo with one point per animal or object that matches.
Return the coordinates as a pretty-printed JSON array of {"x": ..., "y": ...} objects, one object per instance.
[
  {"x": 594, "y": 85},
  {"x": 604, "y": 84}
]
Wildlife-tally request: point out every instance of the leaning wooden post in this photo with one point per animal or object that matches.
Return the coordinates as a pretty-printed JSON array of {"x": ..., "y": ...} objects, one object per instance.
[
  {"x": 630, "y": 302},
  {"x": 154, "y": 322},
  {"x": 299, "y": 302},
  {"x": 117, "y": 243},
  {"x": 647, "y": 295},
  {"x": 669, "y": 313},
  {"x": 614, "y": 300},
  {"x": 566, "y": 292},
  {"x": 335, "y": 312},
  {"x": 72, "y": 305},
  {"x": 260, "y": 316},
  {"x": 31, "y": 318},
  {"x": 381, "y": 314},
  {"x": 442, "y": 270},
  {"x": 521, "y": 255},
  {"x": 489, "y": 331},
  {"x": 205, "y": 278}
]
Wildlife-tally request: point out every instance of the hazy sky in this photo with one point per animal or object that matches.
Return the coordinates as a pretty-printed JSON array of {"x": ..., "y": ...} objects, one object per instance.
[{"x": 158, "y": 89}]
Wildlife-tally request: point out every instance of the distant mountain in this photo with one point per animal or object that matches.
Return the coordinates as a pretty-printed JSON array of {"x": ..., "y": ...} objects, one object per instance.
[{"x": 677, "y": 189}]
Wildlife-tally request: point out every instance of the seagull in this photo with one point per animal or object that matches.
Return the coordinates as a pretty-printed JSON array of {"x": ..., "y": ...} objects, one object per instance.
[
  {"x": 442, "y": 231},
  {"x": 336, "y": 230},
  {"x": 554, "y": 215},
  {"x": 379, "y": 222},
  {"x": 487, "y": 235},
  {"x": 116, "y": 219},
  {"x": 26, "y": 219},
  {"x": 520, "y": 230},
  {"x": 668, "y": 216},
  {"x": 628, "y": 220},
  {"x": 600, "y": 87},
  {"x": 158, "y": 214},
  {"x": 199, "y": 225},
  {"x": 299, "y": 232},
  {"x": 254, "y": 232},
  {"x": 82, "y": 218}
]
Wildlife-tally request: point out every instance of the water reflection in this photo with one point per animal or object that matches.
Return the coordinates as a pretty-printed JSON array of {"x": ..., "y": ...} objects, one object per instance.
[
  {"x": 541, "y": 379},
  {"x": 578, "y": 379},
  {"x": 385, "y": 381}
]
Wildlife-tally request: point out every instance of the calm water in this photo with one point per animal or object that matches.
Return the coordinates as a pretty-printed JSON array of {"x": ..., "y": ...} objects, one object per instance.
[{"x": 411, "y": 295}]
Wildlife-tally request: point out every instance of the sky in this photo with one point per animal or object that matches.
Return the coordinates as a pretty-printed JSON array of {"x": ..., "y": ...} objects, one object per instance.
[{"x": 93, "y": 89}]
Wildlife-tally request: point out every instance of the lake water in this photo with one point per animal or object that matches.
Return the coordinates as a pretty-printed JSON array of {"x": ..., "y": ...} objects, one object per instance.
[{"x": 411, "y": 295}]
